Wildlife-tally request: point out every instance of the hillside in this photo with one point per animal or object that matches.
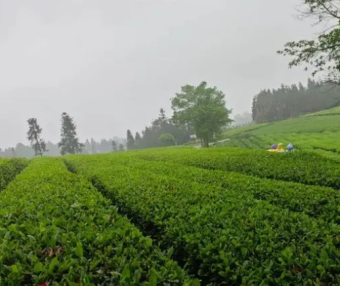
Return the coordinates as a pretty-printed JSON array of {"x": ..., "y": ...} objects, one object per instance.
[
  {"x": 171, "y": 216},
  {"x": 318, "y": 132}
]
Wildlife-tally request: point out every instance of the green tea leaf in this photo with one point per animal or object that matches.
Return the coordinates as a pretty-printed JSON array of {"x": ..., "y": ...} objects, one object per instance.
[
  {"x": 53, "y": 264},
  {"x": 38, "y": 267},
  {"x": 153, "y": 277},
  {"x": 79, "y": 249},
  {"x": 15, "y": 269},
  {"x": 126, "y": 273}
]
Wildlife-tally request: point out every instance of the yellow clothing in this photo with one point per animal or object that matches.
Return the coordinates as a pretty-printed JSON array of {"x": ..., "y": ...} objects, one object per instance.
[{"x": 280, "y": 148}]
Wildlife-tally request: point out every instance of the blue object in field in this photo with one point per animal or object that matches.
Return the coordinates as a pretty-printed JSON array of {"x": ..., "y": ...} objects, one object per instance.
[
  {"x": 274, "y": 146},
  {"x": 290, "y": 147}
]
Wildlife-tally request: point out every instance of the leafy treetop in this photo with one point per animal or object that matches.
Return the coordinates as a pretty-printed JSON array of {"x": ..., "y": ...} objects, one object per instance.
[
  {"x": 323, "y": 53},
  {"x": 203, "y": 108}
]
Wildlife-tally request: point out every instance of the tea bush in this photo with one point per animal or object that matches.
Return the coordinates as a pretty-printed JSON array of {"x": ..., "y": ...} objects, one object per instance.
[
  {"x": 56, "y": 229},
  {"x": 222, "y": 235}
]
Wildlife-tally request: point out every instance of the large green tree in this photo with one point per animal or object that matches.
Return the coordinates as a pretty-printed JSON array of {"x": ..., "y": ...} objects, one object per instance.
[
  {"x": 321, "y": 54},
  {"x": 203, "y": 108},
  {"x": 33, "y": 135},
  {"x": 69, "y": 142}
]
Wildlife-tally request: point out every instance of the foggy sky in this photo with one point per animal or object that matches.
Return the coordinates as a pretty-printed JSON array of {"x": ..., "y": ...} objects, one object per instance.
[{"x": 112, "y": 64}]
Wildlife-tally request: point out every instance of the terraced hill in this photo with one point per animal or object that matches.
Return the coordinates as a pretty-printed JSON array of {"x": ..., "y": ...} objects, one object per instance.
[
  {"x": 318, "y": 132},
  {"x": 179, "y": 216}
]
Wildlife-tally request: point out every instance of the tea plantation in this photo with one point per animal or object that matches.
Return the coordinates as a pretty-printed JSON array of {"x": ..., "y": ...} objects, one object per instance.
[
  {"x": 316, "y": 132},
  {"x": 177, "y": 216}
]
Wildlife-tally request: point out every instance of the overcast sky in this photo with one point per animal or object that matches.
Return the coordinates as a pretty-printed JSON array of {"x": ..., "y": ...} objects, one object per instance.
[{"x": 112, "y": 64}]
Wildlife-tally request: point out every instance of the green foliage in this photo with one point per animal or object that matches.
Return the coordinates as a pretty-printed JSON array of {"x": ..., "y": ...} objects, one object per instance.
[
  {"x": 69, "y": 141},
  {"x": 227, "y": 228},
  {"x": 203, "y": 108},
  {"x": 321, "y": 53},
  {"x": 9, "y": 168},
  {"x": 316, "y": 132},
  {"x": 162, "y": 125},
  {"x": 291, "y": 166},
  {"x": 167, "y": 139},
  {"x": 57, "y": 229},
  {"x": 33, "y": 135},
  {"x": 295, "y": 197}
]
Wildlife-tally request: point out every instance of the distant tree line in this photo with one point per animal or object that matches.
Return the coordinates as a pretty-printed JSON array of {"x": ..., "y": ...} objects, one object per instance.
[
  {"x": 292, "y": 101},
  {"x": 103, "y": 146},
  {"x": 91, "y": 146},
  {"x": 161, "y": 132},
  {"x": 69, "y": 142}
]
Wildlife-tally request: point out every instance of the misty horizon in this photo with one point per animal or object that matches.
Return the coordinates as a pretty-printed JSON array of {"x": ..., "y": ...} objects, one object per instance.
[{"x": 112, "y": 65}]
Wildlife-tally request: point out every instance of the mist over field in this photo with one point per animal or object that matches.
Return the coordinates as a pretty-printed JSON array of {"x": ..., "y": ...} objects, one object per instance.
[
  {"x": 113, "y": 64},
  {"x": 169, "y": 142}
]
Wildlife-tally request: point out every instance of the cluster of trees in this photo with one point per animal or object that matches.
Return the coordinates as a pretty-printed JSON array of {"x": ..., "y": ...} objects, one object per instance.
[
  {"x": 291, "y": 101},
  {"x": 162, "y": 132},
  {"x": 69, "y": 143},
  {"x": 198, "y": 110}
]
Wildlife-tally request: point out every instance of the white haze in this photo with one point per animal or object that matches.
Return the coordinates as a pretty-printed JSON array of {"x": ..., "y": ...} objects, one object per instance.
[{"x": 113, "y": 64}]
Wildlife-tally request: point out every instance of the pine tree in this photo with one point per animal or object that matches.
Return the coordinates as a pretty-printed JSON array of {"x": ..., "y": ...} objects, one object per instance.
[
  {"x": 69, "y": 141},
  {"x": 130, "y": 141},
  {"x": 33, "y": 135},
  {"x": 138, "y": 140},
  {"x": 93, "y": 146},
  {"x": 114, "y": 146},
  {"x": 254, "y": 108}
]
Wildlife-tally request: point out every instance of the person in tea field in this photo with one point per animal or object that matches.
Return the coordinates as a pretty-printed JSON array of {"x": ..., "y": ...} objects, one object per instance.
[
  {"x": 277, "y": 148},
  {"x": 290, "y": 147},
  {"x": 280, "y": 148}
]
